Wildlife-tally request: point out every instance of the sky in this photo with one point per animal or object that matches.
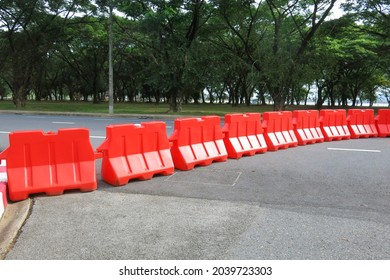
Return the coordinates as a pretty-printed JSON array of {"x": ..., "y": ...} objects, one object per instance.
[{"x": 337, "y": 11}]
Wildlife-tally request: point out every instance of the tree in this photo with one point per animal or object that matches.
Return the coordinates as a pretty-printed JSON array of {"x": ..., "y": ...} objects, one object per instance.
[
  {"x": 375, "y": 19},
  {"x": 85, "y": 53},
  {"x": 349, "y": 60},
  {"x": 273, "y": 36},
  {"x": 167, "y": 32},
  {"x": 29, "y": 30},
  {"x": 172, "y": 50}
]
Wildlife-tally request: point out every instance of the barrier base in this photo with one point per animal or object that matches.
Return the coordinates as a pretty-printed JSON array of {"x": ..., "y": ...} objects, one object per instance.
[
  {"x": 280, "y": 140},
  {"x": 245, "y": 146},
  {"x": 188, "y": 157}
]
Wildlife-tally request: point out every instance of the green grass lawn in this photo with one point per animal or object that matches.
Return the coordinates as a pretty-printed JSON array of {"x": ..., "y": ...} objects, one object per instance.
[
  {"x": 141, "y": 108},
  {"x": 133, "y": 108}
]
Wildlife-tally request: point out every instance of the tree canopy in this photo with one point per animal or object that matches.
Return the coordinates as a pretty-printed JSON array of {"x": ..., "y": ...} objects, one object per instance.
[{"x": 180, "y": 51}]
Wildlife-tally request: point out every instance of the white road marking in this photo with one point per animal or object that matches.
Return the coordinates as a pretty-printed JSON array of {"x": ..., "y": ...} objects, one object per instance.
[
  {"x": 91, "y": 136},
  {"x": 63, "y": 122},
  {"x": 36, "y": 117},
  {"x": 355, "y": 150}
]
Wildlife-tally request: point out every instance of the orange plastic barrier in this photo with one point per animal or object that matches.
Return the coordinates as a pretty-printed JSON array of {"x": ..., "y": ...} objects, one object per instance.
[
  {"x": 279, "y": 130},
  {"x": 361, "y": 123},
  {"x": 50, "y": 163},
  {"x": 307, "y": 127},
  {"x": 382, "y": 122},
  {"x": 133, "y": 151},
  {"x": 243, "y": 135},
  {"x": 333, "y": 125},
  {"x": 197, "y": 141}
]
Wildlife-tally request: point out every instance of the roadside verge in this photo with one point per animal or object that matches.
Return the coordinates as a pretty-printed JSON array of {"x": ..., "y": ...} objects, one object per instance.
[{"x": 12, "y": 221}]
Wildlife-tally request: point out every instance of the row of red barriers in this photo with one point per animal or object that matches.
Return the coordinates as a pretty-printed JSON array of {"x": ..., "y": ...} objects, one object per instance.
[{"x": 51, "y": 163}]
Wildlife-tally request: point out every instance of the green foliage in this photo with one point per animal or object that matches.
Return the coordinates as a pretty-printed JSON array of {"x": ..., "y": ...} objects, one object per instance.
[{"x": 180, "y": 51}]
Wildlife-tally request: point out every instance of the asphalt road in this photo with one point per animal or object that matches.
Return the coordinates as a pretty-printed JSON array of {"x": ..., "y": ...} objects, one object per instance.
[
  {"x": 321, "y": 201},
  {"x": 96, "y": 125}
]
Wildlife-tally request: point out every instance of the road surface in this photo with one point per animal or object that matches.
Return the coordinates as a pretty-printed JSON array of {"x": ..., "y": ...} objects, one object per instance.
[{"x": 320, "y": 201}]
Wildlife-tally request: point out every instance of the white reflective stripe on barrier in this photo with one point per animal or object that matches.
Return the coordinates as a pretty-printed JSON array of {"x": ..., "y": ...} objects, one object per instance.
[
  {"x": 3, "y": 171},
  {"x": 2, "y": 207}
]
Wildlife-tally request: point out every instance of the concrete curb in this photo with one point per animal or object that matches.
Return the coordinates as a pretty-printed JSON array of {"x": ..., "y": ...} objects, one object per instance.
[{"x": 12, "y": 221}]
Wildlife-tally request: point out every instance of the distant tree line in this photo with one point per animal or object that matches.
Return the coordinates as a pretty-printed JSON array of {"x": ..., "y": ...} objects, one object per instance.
[{"x": 196, "y": 51}]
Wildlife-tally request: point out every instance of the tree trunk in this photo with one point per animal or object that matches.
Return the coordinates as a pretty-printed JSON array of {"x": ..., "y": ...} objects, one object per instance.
[
  {"x": 278, "y": 98},
  {"x": 320, "y": 98},
  {"x": 279, "y": 105},
  {"x": 175, "y": 100},
  {"x": 19, "y": 96}
]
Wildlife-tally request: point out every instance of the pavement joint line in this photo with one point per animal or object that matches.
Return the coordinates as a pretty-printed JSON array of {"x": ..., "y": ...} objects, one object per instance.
[
  {"x": 238, "y": 177},
  {"x": 354, "y": 150},
  {"x": 207, "y": 184}
]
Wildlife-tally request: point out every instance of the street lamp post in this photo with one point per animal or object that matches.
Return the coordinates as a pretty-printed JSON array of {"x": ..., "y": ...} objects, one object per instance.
[{"x": 110, "y": 64}]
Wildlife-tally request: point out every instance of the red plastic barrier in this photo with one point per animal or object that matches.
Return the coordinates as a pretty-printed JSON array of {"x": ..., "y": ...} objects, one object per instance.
[
  {"x": 197, "y": 141},
  {"x": 50, "y": 163},
  {"x": 382, "y": 122},
  {"x": 307, "y": 127},
  {"x": 333, "y": 125},
  {"x": 279, "y": 130},
  {"x": 243, "y": 135},
  {"x": 133, "y": 151},
  {"x": 361, "y": 123}
]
